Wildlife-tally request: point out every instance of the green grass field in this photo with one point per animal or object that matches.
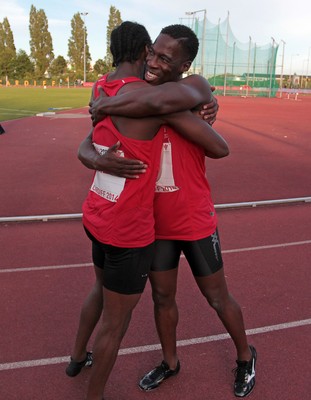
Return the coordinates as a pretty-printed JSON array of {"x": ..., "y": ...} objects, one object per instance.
[{"x": 19, "y": 102}]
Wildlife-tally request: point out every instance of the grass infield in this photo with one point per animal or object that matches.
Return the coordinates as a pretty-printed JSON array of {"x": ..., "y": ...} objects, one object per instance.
[{"x": 20, "y": 102}]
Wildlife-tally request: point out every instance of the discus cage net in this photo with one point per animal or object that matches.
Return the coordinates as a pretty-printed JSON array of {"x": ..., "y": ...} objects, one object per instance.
[{"x": 233, "y": 67}]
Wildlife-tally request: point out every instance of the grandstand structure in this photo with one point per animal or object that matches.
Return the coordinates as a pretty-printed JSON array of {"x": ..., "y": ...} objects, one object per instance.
[{"x": 233, "y": 67}]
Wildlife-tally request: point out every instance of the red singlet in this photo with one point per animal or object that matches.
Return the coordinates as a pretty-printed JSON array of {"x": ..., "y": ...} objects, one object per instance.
[
  {"x": 183, "y": 206},
  {"x": 119, "y": 211}
]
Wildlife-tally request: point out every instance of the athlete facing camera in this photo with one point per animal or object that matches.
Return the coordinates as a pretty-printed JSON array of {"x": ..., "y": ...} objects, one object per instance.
[{"x": 185, "y": 218}]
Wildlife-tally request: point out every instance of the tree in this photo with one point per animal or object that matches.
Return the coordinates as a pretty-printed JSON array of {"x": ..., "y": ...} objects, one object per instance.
[
  {"x": 23, "y": 66},
  {"x": 100, "y": 67},
  {"x": 58, "y": 66},
  {"x": 7, "y": 48},
  {"x": 113, "y": 21},
  {"x": 76, "y": 46},
  {"x": 41, "y": 46}
]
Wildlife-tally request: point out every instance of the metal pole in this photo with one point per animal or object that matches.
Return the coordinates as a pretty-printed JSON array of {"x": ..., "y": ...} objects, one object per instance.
[
  {"x": 233, "y": 54},
  {"x": 254, "y": 64},
  {"x": 226, "y": 50},
  {"x": 84, "y": 69},
  {"x": 203, "y": 43},
  {"x": 84, "y": 14},
  {"x": 216, "y": 52},
  {"x": 248, "y": 63},
  {"x": 290, "y": 72},
  {"x": 282, "y": 68},
  {"x": 306, "y": 85},
  {"x": 271, "y": 65},
  {"x": 53, "y": 217},
  {"x": 203, "y": 35}
]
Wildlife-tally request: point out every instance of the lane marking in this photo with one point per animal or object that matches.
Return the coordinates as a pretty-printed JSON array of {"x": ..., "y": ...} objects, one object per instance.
[
  {"x": 268, "y": 246},
  {"x": 55, "y": 267},
  {"x": 154, "y": 347},
  {"x": 44, "y": 268}
]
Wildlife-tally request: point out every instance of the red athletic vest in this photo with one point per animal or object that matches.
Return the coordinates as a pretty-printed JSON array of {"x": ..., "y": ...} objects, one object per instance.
[
  {"x": 183, "y": 206},
  {"x": 119, "y": 211}
]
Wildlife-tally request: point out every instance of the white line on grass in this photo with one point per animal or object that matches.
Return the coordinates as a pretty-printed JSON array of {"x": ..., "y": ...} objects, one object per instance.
[
  {"x": 154, "y": 347},
  {"x": 13, "y": 110},
  {"x": 48, "y": 267}
]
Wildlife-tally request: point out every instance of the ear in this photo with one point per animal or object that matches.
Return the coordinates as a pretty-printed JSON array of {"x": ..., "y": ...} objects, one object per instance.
[
  {"x": 186, "y": 66},
  {"x": 147, "y": 48}
]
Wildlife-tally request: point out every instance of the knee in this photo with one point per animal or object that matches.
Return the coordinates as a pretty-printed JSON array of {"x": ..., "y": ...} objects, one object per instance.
[
  {"x": 217, "y": 301},
  {"x": 163, "y": 298},
  {"x": 115, "y": 326},
  {"x": 221, "y": 303}
]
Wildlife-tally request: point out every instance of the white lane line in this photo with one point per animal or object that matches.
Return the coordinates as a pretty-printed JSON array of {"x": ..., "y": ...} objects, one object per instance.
[
  {"x": 268, "y": 246},
  {"x": 42, "y": 268},
  {"x": 153, "y": 347}
]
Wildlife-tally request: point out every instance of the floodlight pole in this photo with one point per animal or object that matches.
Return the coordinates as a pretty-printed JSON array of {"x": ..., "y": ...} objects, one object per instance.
[
  {"x": 248, "y": 62},
  {"x": 271, "y": 65},
  {"x": 226, "y": 51},
  {"x": 306, "y": 86},
  {"x": 84, "y": 14},
  {"x": 203, "y": 36},
  {"x": 233, "y": 54},
  {"x": 290, "y": 72},
  {"x": 216, "y": 53},
  {"x": 282, "y": 68}
]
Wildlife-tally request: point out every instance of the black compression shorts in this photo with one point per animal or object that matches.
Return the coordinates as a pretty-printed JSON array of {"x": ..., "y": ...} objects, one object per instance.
[
  {"x": 126, "y": 270},
  {"x": 203, "y": 256}
]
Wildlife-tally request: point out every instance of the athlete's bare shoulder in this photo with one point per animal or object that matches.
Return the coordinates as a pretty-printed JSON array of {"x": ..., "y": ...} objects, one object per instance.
[
  {"x": 199, "y": 84},
  {"x": 133, "y": 86},
  {"x": 195, "y": 80}
]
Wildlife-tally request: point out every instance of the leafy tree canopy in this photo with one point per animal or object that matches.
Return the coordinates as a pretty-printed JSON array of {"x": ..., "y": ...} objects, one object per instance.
[{"x": 41, "y": 46}]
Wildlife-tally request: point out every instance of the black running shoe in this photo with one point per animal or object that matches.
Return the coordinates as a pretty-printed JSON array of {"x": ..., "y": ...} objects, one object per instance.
[
  {"x": 74, "y": 368},
  {"x": 245, "y": 375},
  {"x": 153, "y": 379}
]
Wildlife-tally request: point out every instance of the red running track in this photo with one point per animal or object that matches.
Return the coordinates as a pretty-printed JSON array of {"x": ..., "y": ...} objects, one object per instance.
[{"x": 45, "y": 267}]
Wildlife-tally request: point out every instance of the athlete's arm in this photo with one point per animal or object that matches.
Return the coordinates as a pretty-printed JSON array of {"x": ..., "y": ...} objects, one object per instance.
[
  {"x": 198, "y": 131},
  {"x": 209, "y": 111},
  {"x": 187, "y": 93},
  {"x": 109, "y": 162}
]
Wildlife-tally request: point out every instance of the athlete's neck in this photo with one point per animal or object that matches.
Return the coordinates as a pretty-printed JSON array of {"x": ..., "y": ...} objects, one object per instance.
[{"x": 126, "y": 69}]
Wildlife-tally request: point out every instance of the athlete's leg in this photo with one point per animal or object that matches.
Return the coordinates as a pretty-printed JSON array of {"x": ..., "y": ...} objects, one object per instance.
[
  {"x": 214, "y": 289},
  {"x": 89, "y": 316},
  {"x": 125, "y": 275},
  {"x": 163, "y": 279},
  {"x": 166, "y": 312},
  {"x": 114, "y": 323},
  {"x": 90, "y": 313},
  {"x": 204, "y": 257}
]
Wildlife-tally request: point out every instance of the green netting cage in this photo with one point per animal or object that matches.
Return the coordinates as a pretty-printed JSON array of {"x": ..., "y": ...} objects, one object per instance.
[{"x": 233, "y": 67}]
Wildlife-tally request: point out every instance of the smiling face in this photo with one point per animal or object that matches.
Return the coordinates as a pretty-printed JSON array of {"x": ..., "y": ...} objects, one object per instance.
[{"x": 166, "y": 61}]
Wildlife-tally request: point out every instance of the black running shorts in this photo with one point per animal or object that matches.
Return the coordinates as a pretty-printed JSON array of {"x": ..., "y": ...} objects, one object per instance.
[
  {"x": 203, "y": 256},
  {"x": 126, "y": 270}
]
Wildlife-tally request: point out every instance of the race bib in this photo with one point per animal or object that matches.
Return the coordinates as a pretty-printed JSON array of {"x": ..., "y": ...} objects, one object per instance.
[
  {"x": 107, "y": 186},
  {"x": 166, "y": 182}
]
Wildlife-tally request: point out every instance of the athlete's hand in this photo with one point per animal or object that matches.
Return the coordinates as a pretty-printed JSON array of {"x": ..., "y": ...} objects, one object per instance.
[
  {"x": 97, "y": 106},
  {"x": 209, "y": 111},
  {"x": 113, "y": 164}
]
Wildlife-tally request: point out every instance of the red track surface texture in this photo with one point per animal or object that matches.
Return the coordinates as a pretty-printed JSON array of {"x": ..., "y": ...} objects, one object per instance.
[{"x": 45, "y": 266}]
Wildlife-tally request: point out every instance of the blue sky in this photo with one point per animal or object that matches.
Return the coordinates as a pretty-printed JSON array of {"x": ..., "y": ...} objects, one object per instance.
[{"x": 259, "y": 19}]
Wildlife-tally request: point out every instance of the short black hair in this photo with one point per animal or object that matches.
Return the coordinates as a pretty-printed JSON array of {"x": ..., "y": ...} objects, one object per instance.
[
  {"x": 186, "y": 37},
  {"x": 128, "y": 41}
]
